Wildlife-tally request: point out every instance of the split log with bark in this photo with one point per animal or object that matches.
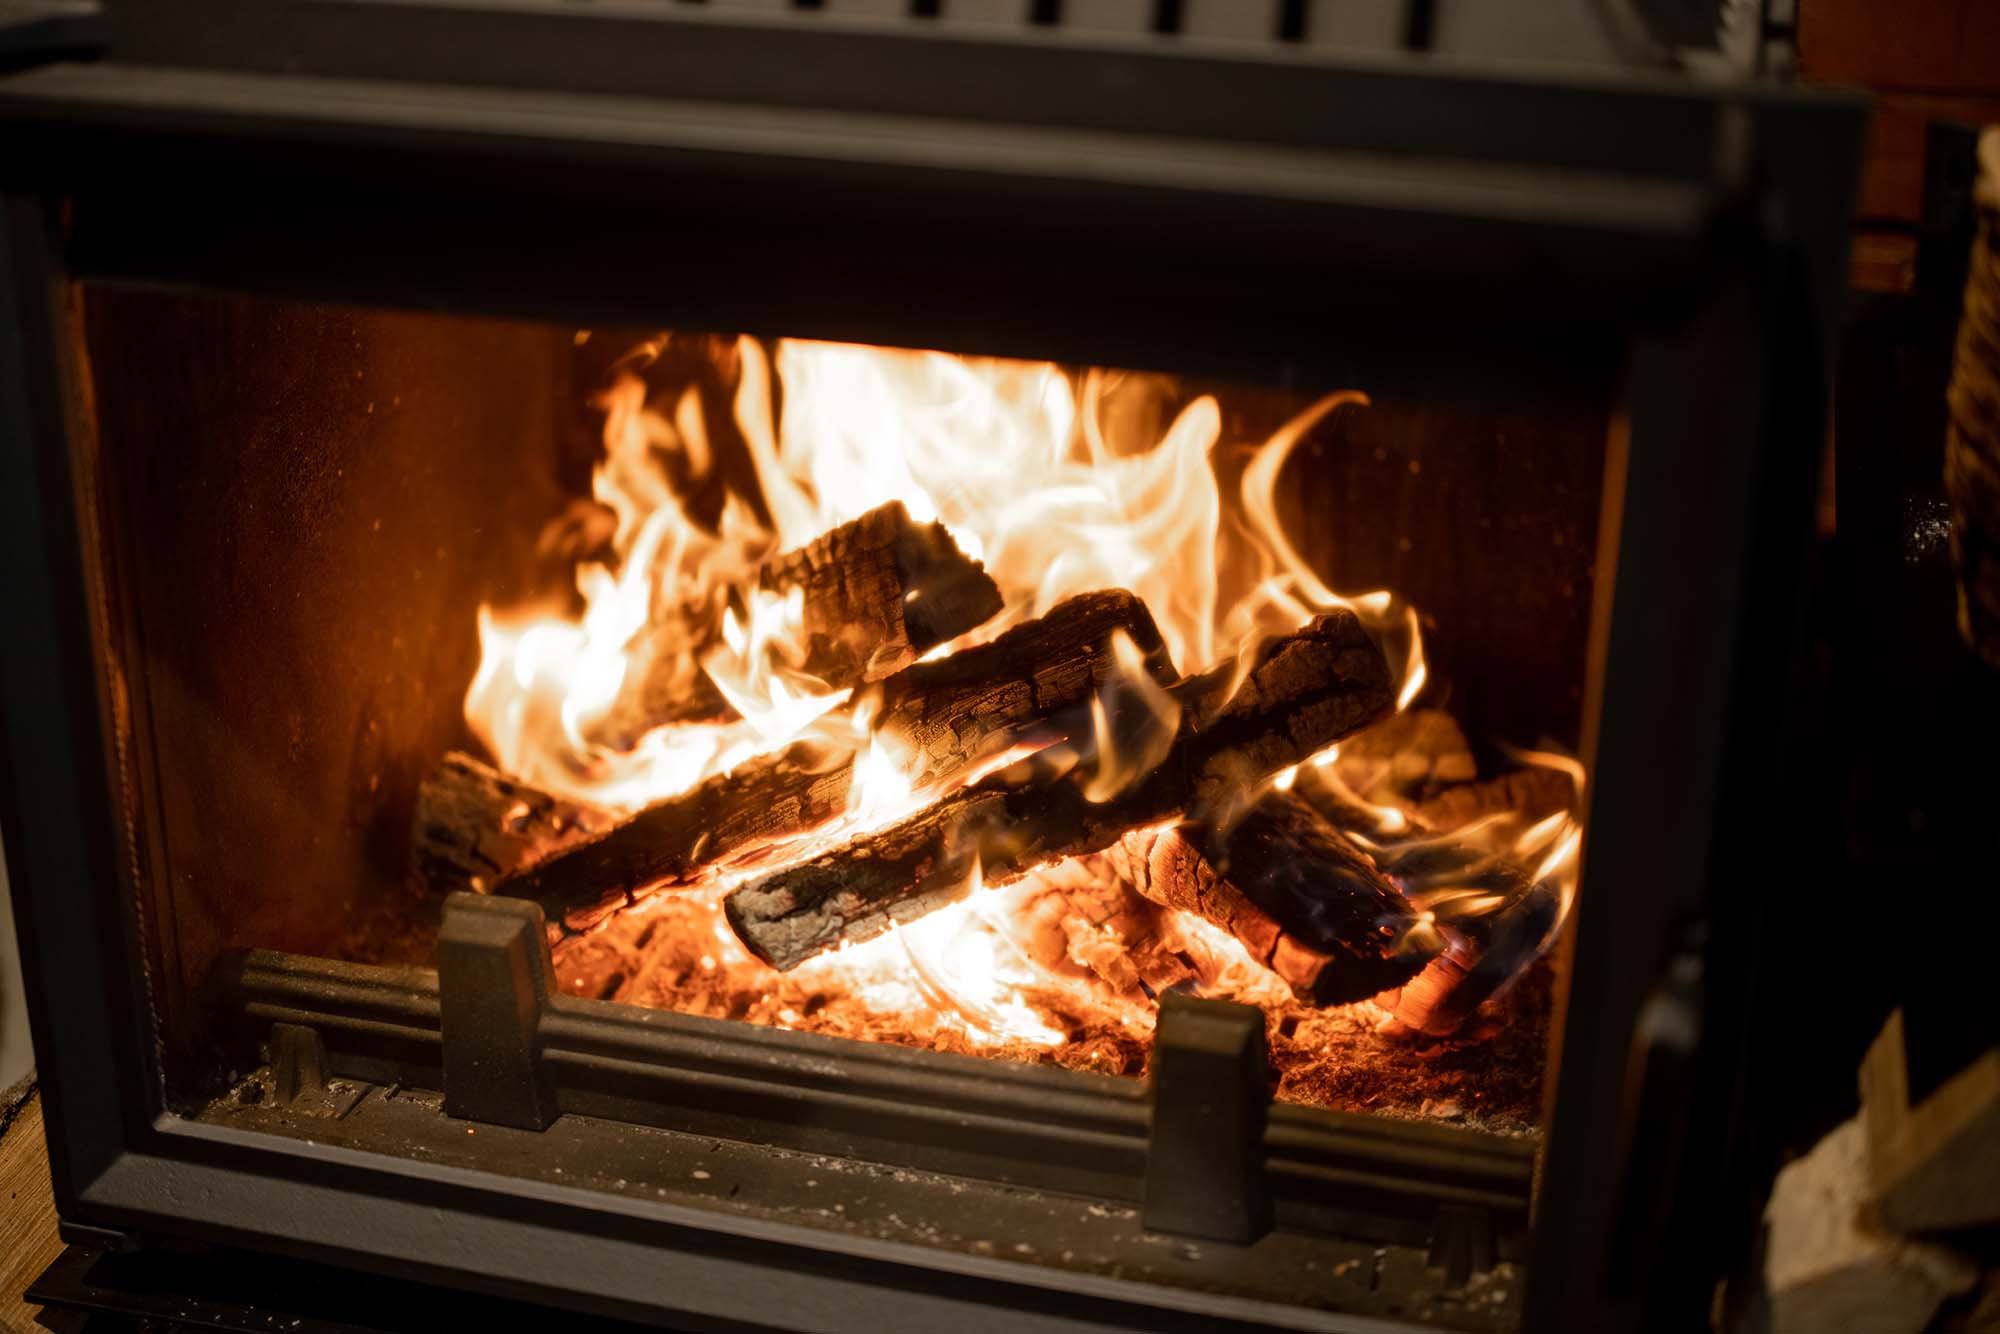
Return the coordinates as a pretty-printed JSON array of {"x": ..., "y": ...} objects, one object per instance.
[
  {"x": 1489, "y": 919},
  {"x": 877, "y": 593},
  {"x": 880, "y": 592},
  {"x": 1336, "y": 923},
  {"x": 1407, "y": 756},
  {"x": 1303, "y": 692},
  {"x": 1493, "y": 917},
  {"x": 1531, "y": 794},
  {"x": 1297, "y": 893},
  {"x": 940, "y": 718},
  {"x": 1080, "y": 918},
  {"x": 1490, "y": 952},
  {"x": 474, "y": 824},
  {"x": 1511, "y": 914}
]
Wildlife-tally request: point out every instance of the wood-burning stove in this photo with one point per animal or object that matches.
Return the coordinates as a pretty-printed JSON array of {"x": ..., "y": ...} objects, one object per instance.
[{"x": 314, "y": 300}]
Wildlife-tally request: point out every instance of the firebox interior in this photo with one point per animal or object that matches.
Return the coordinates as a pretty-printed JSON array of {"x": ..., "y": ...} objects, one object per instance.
[{"x": 306, "y": 507}]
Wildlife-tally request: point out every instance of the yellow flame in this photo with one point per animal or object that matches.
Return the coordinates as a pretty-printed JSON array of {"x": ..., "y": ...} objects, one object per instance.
[
  {"x": 1388, "y": 820},
  {"x": 881, "y": 790},
  {"x": 1414, "y": 671},
  {"x": 792, "y": 510},
  {"x": 1563, "y": 855},
  {"x": 1296, "y": 591},
  {"x": 1422, "y": 935},
  {"x": 1009, "y": 455},
  {"x": 1540, "y": 834},
  {"x": 975, "y": 970},
  {"x": 1130, "y": 746},
  {"x": 693, "y": 431},
  {"x": 1260, "y": 496},
  {"x": 1560, "y": 837},
  {"x": 1568, "y": 765},
  {"x": 754, "y": 667}
]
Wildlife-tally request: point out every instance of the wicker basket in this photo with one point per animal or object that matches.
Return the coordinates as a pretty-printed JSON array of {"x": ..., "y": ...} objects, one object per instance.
[{"x": 1972, "y": 441}]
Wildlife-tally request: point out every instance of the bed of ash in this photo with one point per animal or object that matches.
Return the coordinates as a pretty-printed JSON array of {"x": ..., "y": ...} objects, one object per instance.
[{"x": 1062, "y": 969}]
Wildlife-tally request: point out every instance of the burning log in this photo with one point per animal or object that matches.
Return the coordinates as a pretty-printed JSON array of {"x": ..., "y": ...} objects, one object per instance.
[
  {"x": 1305, "y": 691},
  {"x": 1490, "y": 952},
  {"x": 880, "y": 592},
  {"x": 1531, "y": 794},
  {"x": 1407, "y": 755},
  {"x": 973, "y": 704},
  {"x": 1491, "y": 946},
  {"x": 474, "y": 824},
  {"x": 1491, "y": 916},
  {"x": 1081, "y": 917},
  {"x": 950, "y": 713},
  {"x": 1304, "y": 900},
  {"x": 877, "y": 593}
]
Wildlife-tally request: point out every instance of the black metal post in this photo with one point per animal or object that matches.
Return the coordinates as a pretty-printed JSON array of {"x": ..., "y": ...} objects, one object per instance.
[
  {"x": 493, "y": 984},
  {"x": 1204, "y": 1156}
]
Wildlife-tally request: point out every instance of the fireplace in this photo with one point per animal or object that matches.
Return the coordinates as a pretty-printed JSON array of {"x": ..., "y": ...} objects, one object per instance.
[{"x": 840, "y": 698}]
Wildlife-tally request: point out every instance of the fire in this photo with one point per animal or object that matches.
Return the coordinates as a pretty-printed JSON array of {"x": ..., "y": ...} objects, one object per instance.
[
  {"x": 1060, "y": 483},
  {"x": 1132, "y": 722}
]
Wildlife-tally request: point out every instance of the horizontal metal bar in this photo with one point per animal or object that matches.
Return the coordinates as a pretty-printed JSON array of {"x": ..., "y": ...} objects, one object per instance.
[
  {"x": 1033, "y": 1126},
  {"x": 367, "y": 1192},
  {"x": 1281, "y": 265},
  {"x": 1640, "y": 120},
  {"x": 269, "y": 106}
]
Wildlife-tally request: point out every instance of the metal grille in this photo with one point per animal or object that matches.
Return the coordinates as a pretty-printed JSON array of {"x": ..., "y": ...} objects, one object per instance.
[
  {"x": 1345, "y": 24},
  {"x": 1571, "y": 31}
]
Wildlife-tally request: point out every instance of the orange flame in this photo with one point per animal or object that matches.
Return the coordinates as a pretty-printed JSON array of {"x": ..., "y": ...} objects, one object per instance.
[{"x": 1133, "y": 721}]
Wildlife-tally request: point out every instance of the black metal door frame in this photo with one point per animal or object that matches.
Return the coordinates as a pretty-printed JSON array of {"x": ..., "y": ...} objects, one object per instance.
[{"x": 1345, "y": 219}]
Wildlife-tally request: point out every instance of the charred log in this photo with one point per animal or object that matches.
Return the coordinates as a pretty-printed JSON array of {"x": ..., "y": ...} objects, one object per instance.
[
  {"x": 1305, "y": 691},
  {"x": 1301, "y": 898},
  {"x": 948, "y": 714},
  {"x": 1531, "y": 794},
  {"x": 963, "y": 708},
  {"x": 1495, "y": 918},
  {"x": 1082, "y": 918},
  {"x": 1490, "y": 952},
  {"x": 877, "y": 593},
  {"x": 1515, "y": 913},
  {"x": 474, "y": 825},
  {"x": 880, "y": 592},
  {"x": 1410, "y": 755}
]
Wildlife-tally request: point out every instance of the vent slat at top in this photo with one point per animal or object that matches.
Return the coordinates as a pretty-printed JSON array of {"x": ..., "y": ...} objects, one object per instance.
[
  {"x": 988, "y": 13},
  {"x": 1355, "y": 25},
  {"x": 1230, "y": 20},
  {"x": 1119, "y": 16},
  {"x": 1504, "y": 30}
]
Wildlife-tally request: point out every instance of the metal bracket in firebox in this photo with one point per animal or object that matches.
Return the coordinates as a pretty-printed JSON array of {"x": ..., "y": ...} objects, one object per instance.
[
  {"x": 1462, "y": 1242},
  {"x": 1211, "y": 1099},
  {"x": 489, "y": 1030},
  {"x": 493, "y": 985},
  {"x": 299, "y": 1074}
]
